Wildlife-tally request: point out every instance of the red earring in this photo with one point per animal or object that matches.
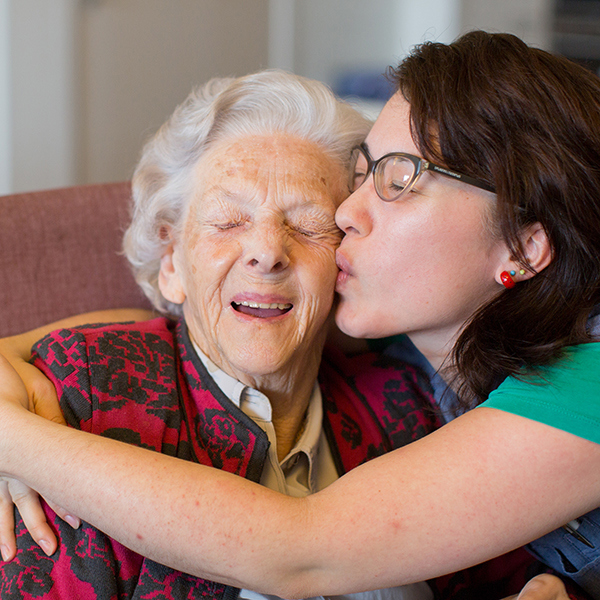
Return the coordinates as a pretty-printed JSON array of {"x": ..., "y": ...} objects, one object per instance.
[{"x": 507, "y": 281}]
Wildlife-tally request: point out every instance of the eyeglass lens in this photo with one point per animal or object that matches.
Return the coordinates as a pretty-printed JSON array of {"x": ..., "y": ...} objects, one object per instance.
[{"x": 391, "y": 175}]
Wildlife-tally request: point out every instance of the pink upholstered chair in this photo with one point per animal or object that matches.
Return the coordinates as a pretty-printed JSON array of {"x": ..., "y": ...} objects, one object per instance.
[{"x": 60, "y": 255}]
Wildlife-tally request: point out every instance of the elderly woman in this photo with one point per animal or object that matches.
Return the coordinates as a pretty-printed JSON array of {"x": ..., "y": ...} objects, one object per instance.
[{"x": 233, "y": 230}]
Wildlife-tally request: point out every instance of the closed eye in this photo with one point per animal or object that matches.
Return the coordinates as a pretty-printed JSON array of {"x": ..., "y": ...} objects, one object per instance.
[
  {"x": 396, "y": 186},
  {"x": 306, "y": 232},
  {"x": 312, "y": 227},
  {"x": 318, "y": 235},
  {"x": 226, "y": 226},
  {"x": 357, "y": 180}
]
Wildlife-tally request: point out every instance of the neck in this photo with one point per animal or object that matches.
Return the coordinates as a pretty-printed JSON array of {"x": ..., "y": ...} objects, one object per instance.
[
  {"x": 288, "y": 387},
  {"x": 435, "y": 348},
  {"x": 289, "y": 392}
]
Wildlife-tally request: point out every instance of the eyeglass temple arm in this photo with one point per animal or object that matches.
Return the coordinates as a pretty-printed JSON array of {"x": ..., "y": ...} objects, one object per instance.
[{"x": 464, "y": 178}]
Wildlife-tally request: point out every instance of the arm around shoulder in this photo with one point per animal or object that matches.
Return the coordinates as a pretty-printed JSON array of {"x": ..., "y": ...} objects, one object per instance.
[
  {"x": 17, "y": 350},
  {"x": 480, "y": 486}
]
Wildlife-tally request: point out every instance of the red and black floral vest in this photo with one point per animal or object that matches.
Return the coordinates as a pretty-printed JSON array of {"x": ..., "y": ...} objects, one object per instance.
[{"x": 142, "y": 383}]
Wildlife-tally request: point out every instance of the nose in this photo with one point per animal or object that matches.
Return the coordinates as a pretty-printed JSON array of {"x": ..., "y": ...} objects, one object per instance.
[
  {"x": 352, "y": 216},
  {"x": 267, "y": 249}
]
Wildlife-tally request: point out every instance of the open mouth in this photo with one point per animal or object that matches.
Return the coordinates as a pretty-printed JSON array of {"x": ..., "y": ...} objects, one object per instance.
[{"x": 262, "y": 311}]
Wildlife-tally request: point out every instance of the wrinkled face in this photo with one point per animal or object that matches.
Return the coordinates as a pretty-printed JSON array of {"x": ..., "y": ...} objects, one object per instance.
[
  {"x": 422, "y": 264},
  {"x": 255, "y": 266}
]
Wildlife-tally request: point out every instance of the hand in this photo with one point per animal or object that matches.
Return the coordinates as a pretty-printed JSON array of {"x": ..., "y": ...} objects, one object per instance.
[
  {"x": 43, "y": 400},
  {"x": 13, "y": 492},
  {"x": 13, "y": 388},
  {"x": 40, "y": 391},
  {"x": 542, "y": 587}
]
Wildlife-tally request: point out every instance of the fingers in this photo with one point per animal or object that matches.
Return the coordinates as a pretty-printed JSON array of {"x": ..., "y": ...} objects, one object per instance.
[
  {"x": 43, "y": 399},
  {"x": 8, "y": 545},
  {"x": 28, "y": 503},
  {"x": 13, "y": 492},
  {"x": 542, "y": 587},
  {"x": 12, "y": 385},
  {"x": 73, "y": 521},
  {"x": 34, "y": 390}
]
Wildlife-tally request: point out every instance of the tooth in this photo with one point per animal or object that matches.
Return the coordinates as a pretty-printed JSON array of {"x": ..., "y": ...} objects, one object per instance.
[{"x": 263, "y": 306}]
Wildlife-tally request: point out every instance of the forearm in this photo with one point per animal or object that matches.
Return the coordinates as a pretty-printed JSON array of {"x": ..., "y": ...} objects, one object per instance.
[
  {"x": 431, "y": 508},
  {"x": 161, "y": 507},
  {"x": 19, "y": 346}
]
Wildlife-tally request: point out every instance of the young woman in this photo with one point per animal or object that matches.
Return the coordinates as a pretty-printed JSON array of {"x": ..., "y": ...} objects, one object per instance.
[{"x": 474, "y": 228}]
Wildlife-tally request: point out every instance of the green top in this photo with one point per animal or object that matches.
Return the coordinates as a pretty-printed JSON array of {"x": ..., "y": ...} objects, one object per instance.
[{"x": 565, "y": 395}]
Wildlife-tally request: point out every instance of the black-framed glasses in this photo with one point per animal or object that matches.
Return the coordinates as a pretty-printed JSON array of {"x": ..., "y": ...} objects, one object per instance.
[{"x": 396, "y": 173}]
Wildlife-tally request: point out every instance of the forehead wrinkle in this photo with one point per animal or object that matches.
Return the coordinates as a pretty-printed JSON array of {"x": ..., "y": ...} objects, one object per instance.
[
  {"x": 239, "y": 188},
  {"x": 310, "y": 181},
  {"x": 264, "y": 164},
  {"x": 303, "y": 194}
]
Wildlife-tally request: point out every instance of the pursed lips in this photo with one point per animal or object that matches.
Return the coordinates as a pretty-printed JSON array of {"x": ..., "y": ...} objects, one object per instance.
[
  {"x": 345, "y": 271},
  {"x": 342, "y": 263}
]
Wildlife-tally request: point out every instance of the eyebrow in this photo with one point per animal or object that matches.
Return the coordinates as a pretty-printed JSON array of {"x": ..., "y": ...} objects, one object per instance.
[{"x": 239, "y": 199}]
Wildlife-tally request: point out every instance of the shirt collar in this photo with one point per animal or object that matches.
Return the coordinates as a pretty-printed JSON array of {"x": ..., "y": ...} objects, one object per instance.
[{"x": 258, "y": 407}]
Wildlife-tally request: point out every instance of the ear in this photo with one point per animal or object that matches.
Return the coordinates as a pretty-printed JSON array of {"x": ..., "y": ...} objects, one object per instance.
[
  {"x": 538, "y": 249},
  {"x": 538, "y": 252},
  {"x": 170, "y": 281}
]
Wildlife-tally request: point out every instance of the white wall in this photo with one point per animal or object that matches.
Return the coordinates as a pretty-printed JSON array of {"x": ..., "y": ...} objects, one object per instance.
[
  {"x": 326, "y": 37},
  {"x": 282, "y": 34},
  {"x": 5, "y": 121},
  {"x": 529, "y": 19},
  {"x": 425, "y": 20},
  {"x": 84, "y": 82},
  {"x": 333, "y": 36},
  {"x": 142, "y": 58},
  {"x": 42, "y": 55},
  {"x": 90, "y": 80}
]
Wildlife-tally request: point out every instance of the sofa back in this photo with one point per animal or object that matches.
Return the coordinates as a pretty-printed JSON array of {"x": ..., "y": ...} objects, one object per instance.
[{"x": 60, "y": 255}]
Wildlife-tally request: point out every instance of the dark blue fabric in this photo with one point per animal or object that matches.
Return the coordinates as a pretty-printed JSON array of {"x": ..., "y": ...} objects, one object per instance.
[
  {"x": 402, "y": 348},
  {"x": 566, "y": 554}
]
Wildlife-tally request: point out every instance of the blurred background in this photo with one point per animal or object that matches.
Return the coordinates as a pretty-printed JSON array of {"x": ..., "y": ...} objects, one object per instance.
[{"x": 83, "y": 83}]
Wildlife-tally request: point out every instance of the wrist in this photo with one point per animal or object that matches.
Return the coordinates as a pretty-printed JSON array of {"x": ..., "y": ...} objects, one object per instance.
[{"x": 13, "y": 419}]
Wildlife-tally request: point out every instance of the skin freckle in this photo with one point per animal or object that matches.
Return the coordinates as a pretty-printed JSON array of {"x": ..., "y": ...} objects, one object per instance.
[{"x": 255, "y": 197}]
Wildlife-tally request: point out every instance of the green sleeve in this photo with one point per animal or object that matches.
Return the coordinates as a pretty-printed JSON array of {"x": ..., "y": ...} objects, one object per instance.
[{"x": 565, "y": 395}]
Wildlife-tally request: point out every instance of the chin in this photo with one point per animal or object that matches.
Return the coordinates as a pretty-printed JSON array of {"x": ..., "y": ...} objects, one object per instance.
[
  {"x": 255, "y": 365},
  {"x": 357, "y": 326},
  {"x": 350, "y": 326}
]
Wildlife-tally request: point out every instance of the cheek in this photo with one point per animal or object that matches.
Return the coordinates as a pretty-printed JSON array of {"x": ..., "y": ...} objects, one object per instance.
[
  {"x": 318, "y": 272},
  {"x": 438, "y": 242},
  {"x": 207, "y": 264},
  {"x": 212, "y": 252}
]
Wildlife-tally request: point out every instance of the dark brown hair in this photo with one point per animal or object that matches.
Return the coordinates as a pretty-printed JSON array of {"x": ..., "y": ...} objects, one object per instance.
[{"x": 527, "y": 122}]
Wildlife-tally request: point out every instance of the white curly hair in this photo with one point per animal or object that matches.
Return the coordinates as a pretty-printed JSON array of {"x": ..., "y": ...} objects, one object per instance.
[{"x": 258, "y": 104}]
